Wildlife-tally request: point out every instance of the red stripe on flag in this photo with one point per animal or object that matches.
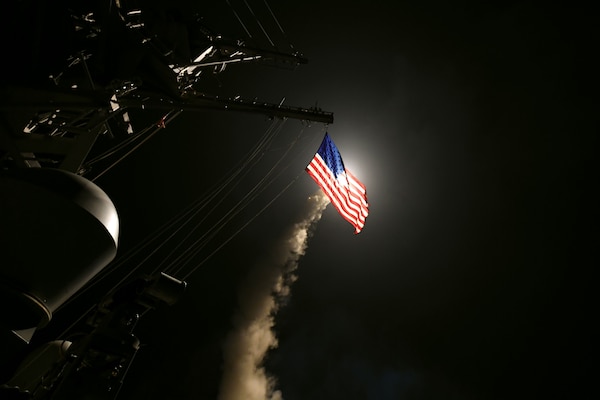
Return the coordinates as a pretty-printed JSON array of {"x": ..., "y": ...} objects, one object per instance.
[{"x": 345, "y": 191}]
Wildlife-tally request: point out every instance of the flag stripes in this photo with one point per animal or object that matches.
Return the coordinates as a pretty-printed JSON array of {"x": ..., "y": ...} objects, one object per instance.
[{"x": 344, "y": 190}]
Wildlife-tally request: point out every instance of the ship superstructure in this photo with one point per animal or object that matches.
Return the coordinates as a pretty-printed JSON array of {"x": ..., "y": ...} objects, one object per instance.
[{"x": 67, "y": 118}]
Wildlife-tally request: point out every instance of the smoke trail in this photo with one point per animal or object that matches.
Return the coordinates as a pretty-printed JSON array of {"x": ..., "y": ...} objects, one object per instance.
[{"x": 267, "y": 285}]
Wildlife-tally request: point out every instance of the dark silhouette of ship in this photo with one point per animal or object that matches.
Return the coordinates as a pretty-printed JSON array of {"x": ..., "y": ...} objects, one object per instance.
[{"x": 75, "y": 73}]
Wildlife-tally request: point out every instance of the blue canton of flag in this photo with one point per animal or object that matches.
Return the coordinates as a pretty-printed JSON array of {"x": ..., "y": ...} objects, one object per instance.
[{"x": 348, "y": 194}]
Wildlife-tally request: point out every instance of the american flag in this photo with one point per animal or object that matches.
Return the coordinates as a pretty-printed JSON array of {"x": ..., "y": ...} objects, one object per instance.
[{"x": 348, "y": 194}]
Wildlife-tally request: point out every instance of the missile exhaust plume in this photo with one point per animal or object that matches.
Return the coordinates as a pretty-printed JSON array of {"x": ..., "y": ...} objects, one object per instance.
[{"x": 260, "y": 296}]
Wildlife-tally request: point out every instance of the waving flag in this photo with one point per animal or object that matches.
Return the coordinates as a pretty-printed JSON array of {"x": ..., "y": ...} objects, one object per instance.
[{"x": 348, "y": 194}]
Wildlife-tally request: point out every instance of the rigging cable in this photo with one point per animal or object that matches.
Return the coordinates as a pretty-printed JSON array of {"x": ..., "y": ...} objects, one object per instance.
[
  {"x": 116, "y": 264},
  {"x": 113, "y": 150},
  {"x": 154, "y": 132},
  {"x": 239, "y": 20},
  {"x": 257, "y": 151},
  {"x": 200, "y": 205},
  {"x": 278, "y": 24},
  {"x": 259, "y": 24},
  {"x": 201, "y": 242},
  {"x": 246, "y": 163},
  {"x": 251, "y": 196},
  {"x": 186, "y": 276},
  {"x": 240, "y": 173},
  {"x": 239, "y": 229}
]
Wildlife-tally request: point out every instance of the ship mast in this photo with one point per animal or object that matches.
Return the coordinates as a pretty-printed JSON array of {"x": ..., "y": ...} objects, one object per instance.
[
  {"x": 57, "y": 124},
  {"x": 59, "y": 229}
]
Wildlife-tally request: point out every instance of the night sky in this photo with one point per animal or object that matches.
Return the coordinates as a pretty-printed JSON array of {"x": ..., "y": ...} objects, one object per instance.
[{"x": 474, "y": 128}]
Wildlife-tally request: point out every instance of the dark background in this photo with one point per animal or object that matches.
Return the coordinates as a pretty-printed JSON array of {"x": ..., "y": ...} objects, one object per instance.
[{"x": 474, "y": 128}]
